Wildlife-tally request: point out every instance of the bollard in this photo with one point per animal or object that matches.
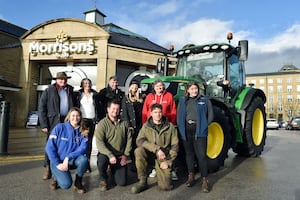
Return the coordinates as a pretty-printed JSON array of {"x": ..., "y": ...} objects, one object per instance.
[{"x": 4, "y": 126}]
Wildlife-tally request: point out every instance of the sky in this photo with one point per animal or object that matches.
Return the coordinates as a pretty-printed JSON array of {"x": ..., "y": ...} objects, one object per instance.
[{"x": 271, "y": 27}]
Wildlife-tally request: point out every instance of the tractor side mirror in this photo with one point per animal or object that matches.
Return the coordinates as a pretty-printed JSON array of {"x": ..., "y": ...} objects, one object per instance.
[{"x": 243, "y": 50}]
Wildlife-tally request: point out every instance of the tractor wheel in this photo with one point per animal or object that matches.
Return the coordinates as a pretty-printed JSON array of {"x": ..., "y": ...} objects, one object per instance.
[
  {"x": 254, "y": 136},
  {"x": 218, "y": 140}
]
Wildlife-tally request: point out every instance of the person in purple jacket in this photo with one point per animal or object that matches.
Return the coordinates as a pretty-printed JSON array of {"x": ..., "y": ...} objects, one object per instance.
[{"x": 66, "y": 148}]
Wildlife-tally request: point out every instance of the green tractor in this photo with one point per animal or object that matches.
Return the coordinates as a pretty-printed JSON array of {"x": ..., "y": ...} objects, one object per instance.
[{"x": 239, "y": 113}]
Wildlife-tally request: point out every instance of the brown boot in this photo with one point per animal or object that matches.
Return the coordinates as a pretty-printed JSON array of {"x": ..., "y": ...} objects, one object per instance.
[
  {"x": 78, "y": 185},
  {"x": 102, "y": 186},
  {"x": 47, "y": 173},
  {"x": 204, "y": 186},
  {"x": 191, "y": 179},
  {"x": 53, "y": 184}
]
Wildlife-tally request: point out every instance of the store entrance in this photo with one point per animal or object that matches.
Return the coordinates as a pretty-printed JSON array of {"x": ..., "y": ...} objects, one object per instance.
[{"x": 77, "y": 72}]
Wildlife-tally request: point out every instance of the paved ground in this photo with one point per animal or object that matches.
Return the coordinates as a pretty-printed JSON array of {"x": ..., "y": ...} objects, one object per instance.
[{"x": 275, "y": 175}]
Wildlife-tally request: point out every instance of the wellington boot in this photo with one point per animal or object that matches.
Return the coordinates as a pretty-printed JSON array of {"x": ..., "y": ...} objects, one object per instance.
[
  {"x": 139, "y": 186},
  {"x": 47, "y": 173},
  {"x": 204, "y": 185},
  {"x": 78, "y": 185}
]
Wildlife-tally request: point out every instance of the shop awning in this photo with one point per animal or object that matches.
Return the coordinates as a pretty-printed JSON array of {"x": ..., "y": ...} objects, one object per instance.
[{"x": 5, "y": 85}]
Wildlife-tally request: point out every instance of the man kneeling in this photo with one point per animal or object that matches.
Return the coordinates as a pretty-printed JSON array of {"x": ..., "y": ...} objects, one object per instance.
[{"x": 157, "y": 141}]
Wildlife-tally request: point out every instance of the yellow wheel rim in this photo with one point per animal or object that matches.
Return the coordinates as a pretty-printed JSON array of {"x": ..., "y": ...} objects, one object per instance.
[
  {"x": 215, "y": 140},
  {"x": 258, "y": 126}
]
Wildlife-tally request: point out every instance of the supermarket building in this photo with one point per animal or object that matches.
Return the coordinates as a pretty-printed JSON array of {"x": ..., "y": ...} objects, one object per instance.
[{"x": 81, "y": 48}]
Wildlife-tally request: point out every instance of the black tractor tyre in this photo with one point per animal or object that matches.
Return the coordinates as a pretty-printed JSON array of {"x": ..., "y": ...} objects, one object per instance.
[
  {"x": 219, "y": 139},
  {"x": 254, "y": 135}
]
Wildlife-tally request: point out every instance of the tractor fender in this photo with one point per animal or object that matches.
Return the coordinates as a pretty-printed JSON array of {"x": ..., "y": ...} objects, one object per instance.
[{"x": 245, "y": 98}]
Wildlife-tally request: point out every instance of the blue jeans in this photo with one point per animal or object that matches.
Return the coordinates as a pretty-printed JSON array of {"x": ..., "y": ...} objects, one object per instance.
[{"x": 64, "y": 178}]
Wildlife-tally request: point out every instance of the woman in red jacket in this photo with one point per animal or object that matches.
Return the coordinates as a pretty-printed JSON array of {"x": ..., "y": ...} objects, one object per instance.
[{"x": 160, "y": 96}]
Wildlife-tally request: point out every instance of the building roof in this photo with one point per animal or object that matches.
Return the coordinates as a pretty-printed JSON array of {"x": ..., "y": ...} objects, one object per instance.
[
  {"x": 11, "y": 29},
  {"x": 10, "y": 35},
  {"x": 285, "y": 70},
  {"x": 94, "y": 10},
  {"x": 5, "y": 85},
  {"x": 124, "y": 37}
]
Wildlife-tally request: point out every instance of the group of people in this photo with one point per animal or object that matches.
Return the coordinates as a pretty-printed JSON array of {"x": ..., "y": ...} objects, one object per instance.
[{"x": 127, "y": 129}]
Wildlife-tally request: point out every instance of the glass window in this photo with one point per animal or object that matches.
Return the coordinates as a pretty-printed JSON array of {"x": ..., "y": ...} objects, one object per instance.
[
  {"x": 280, "y": 107},
  {"x": 279, "y": 88},
  {"x": 236, "y": 72},
  {"x": 270, "y": 88},
  {"x": 271, "y": 98},
  {"x": 289, "y": 88},
  {"x": 279, "y": 98},
  {"x": 262, "y": 81},
  {"x": 270, "y": 80},
  {"x": 279, "y": 80},
  {"x": 288, "y": 80},
  {"x": 271, "y": 109}
]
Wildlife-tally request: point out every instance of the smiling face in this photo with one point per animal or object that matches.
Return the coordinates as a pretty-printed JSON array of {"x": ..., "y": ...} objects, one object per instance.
[
  {"x": 133, "y": 89},
  {"x": 86, "y": 85},
  {"x": 156, "y": 115},
  {"x": 74, "y": 118},
  {"x": 61, "y": 82},
  {"x": 113, "y": 83},
  {"x": 193, "y": 91},
  {"x": 159, "y": 88},
  {"x": 113, "y": 111}
]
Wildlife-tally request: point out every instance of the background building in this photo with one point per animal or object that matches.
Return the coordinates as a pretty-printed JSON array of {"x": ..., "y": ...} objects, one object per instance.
[
  {"x": 10, "y": 60},
  {"x": 81, "y": 48},
  {"x": 282, "y": 90}
]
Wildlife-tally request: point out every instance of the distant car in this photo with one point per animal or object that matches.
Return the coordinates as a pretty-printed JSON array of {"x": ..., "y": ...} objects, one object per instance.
[
  {"x": 272, "y": 124},
  {"x": 293, "y": 124},
  {"x": 284, "y": 124}
]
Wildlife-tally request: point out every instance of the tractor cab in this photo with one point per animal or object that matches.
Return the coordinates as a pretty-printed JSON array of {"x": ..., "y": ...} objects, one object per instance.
[{"x": 219, "y": 66}]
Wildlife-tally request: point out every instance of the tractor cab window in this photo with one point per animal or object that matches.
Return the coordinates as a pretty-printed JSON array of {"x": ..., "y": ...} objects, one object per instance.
[
  {"x": 203, "y": 66},
  {"x": 235, "y": 72},
  {"x": 207, "y": 67}
]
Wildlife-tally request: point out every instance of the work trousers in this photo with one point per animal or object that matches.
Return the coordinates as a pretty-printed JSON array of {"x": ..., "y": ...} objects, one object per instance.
[
  {"x": 119, "y": 172},
  {"x": 195, "y": 146},
  {"x": 143, "y": 158},
  {"x": 64, "y": 178}
]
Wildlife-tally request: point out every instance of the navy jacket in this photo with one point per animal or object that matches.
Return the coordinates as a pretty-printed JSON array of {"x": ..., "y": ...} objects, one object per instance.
[{"x": 203, "y": 116}]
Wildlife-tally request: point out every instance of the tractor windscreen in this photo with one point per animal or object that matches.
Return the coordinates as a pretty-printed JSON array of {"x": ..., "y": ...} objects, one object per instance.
[{"x": 206, "y": 66}]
